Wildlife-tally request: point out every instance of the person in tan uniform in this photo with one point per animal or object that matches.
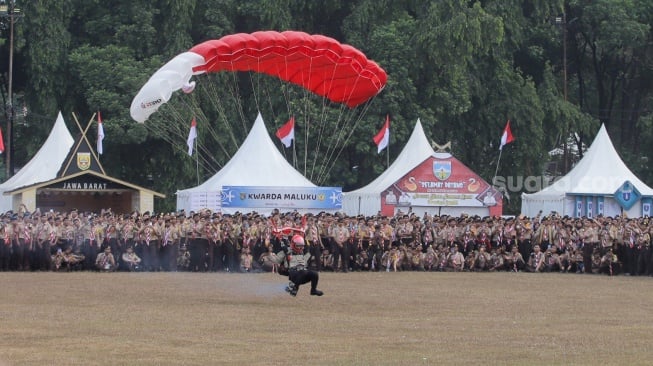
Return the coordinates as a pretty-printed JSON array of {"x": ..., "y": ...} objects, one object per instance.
[
  {"x": 130, "y": 260},
  {"x": 105, "y": 262},
  {"x": 340, "y": 251},
  {"x": 149, "y": 238}
]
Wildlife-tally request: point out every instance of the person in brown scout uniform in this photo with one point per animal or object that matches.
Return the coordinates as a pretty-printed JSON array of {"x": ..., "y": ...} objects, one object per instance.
[
  {"x": 339, "y": 250},
  {"x": 105, "y": 262},
  {"x": 149, "y": 238},
  {"x": 130, "y": 261}
]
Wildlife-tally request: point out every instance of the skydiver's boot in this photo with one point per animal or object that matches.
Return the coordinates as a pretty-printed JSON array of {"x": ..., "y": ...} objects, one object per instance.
[
  {"x": 316, "y": 292},
  {"x": 292, "y": 288}
]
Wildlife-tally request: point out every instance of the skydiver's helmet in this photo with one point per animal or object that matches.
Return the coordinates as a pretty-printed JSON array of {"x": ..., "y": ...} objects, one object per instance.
[{"x": 297, "y": 244}]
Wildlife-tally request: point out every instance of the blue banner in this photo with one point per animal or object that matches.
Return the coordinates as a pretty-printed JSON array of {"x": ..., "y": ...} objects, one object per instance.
[
  {"x": 646, "y": 206},
  {"x": 579, "y": 206},
  {"x": 327, "y": 198},
  {"x": 589, "y": 207}
]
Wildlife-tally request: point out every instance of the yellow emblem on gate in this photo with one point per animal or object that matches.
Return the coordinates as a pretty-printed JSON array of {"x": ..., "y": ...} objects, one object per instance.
[{"x": 83, "y": 160}]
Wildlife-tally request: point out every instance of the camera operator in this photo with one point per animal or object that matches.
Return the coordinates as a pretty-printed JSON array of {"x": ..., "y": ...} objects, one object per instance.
[{"x": 296, "y": 262}]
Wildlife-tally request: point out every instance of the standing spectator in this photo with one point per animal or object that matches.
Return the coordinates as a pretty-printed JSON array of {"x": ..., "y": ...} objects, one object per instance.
[{"x": 339, "y": 249}]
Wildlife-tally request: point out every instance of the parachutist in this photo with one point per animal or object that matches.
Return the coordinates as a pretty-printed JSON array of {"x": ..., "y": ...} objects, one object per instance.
[{"x": 296, "y": 261}]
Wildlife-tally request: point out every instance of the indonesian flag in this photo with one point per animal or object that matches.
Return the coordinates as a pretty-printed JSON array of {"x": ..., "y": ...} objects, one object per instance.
[
  {"x": 192, "y": 135},
  {"x": 383, "y": 137},
  {"x": 507, "y": 137},
  {"x": 287, "y": 132},
  {"x": 100, "y": 133}
]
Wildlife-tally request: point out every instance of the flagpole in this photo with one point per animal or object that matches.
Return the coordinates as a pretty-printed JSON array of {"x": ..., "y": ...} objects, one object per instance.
[
  {"x": 496, "y": 171},
  {"x": 387, "y": 155},
  {"x": 197, "y": 162},
  {"x": 294, "y": 155}
]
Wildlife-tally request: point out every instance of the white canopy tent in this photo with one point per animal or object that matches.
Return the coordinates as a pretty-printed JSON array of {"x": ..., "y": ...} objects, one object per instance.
[
  {"x": 590, "y": 188},
  {"x": 257, "y": 162},
  {"x": 458, "y": 190},
  {"x": 366, "y": 200},
  {"x": 43, "y": 167}
]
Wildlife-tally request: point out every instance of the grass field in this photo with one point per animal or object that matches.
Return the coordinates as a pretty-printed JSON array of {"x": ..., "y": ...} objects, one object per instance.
[{"x": 407, "y": 318}]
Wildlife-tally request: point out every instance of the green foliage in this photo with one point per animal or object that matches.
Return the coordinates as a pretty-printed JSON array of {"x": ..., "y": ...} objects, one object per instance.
[{"x": 462, "y": 67}]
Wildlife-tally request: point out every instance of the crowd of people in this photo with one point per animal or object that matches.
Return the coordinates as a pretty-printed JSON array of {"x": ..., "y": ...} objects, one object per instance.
[{"x": 206, "y": 241}]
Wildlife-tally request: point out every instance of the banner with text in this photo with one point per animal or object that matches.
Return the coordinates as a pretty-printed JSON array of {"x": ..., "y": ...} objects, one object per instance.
[
  {"x": 327, "y": 198},
  {"x": 440, "y": 182}
]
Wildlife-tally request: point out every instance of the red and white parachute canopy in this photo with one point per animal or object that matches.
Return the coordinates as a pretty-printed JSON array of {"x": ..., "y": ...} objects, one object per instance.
[{"x": 335, "y": 71}]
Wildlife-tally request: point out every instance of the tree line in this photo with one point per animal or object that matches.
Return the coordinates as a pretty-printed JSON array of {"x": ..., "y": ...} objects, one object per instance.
[{"x": 556, "y": 69}]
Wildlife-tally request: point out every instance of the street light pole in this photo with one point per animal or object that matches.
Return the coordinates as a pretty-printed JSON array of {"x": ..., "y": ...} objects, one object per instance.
[
  {"x": 10, "y": 103},
  {"x": 564, "y": 55},
  {"x": 562, "y": 21}
]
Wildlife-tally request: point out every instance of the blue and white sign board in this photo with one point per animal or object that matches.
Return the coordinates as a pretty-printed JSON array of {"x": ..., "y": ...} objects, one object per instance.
[
  {"x": 327, "y": 198},
  {"x": 627, "y": 195}
]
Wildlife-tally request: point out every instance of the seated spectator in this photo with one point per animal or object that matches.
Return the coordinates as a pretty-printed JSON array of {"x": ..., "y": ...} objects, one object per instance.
[
  {"x": 552, "y": 260},
  {"x": 577, "y": 262},
  {"x": 514, "y": 261},
  {"x": 105, "y": 261},
  {"x": 455, "y": 260},
  {"x": 362, "y": 262},
  {"x": 267, "y": 260},
  {"x": 57, "y": 260},
  {"x": 482, "y": 260},
  {"x": 131, "y": 261},
  {"x": 327, "y": 260},
  {"x": 497, "y": 260},
  {"x": 470, "y": 259},
  {"x": 609, "y": 263},
  {"x": 246, "y": 260},
  {"x": 417, "y": 260},
  {"x": 430, "y": 259},
  {"x": 72, "y": 261},
  {"x": 183, "y": 259},
  {"x": 536, "y": 261}
]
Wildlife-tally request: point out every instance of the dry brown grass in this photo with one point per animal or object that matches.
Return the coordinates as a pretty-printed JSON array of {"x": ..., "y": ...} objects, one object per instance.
[{"x": 364, "y": 319}]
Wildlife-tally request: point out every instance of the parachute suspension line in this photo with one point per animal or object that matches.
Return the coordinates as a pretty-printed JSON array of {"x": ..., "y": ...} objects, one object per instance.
[
  {"x": 321, "y": 129},
  {"x": 236, "y": 95},
  {"x": 154, "y": 130},
  {"x": 214, "y": 99},
  {"x": 207, "y": 154},
  {"x": 357, "y": 121},
  {"x": 256, "y": 87},
  {"x": 331, "y": 148},
  {"x": 211, "y": 92},
  {"x": 275, "y": 115},
  {"x": 340, "y": 121},
  {"x": 203, "y": 153},
  {"x": 307, "y": 119},
  {"x": 331, "y": 159},
  {"x": 234, "y": 89}
]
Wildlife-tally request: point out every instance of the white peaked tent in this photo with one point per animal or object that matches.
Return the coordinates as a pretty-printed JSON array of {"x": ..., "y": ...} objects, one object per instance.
[
  {"x": 594, "y": 186},
  {"x": 257, "y": 162},
  {"x": 43, "y": 166},
  {"x": 424, "y": 181},
  {"x": 366, "y": 200}
]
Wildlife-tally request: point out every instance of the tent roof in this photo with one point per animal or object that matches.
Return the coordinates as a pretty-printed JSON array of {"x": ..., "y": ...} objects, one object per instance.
[
  {"x": 600, "y": 172},
  {"x": 257, "y": 162},
  {"x": 47, "y": 161},
  {"x": 416, "y": 150}
]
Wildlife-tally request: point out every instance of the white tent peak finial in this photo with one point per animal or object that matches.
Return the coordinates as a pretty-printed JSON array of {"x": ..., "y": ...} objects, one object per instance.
[{"x": 441, "y": 148}]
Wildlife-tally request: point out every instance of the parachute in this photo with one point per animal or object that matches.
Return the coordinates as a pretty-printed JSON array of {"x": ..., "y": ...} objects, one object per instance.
[{"x": 336, "y": 71}]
